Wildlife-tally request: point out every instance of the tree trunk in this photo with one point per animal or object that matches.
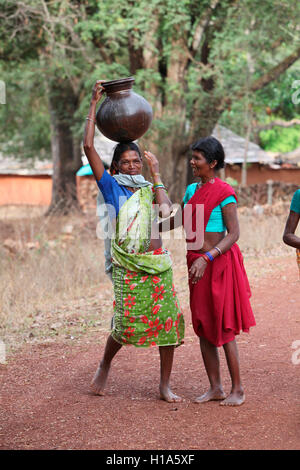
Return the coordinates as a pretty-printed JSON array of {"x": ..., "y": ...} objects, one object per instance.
[
  {"x": 66, "y": 153},
  {"x": 244, "y": 165},
  {"x": 174, "y": 160},
  {"x": 174, "y": 155}
]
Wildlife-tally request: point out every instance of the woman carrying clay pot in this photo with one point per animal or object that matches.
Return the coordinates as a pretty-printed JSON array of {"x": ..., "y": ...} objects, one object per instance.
[{"x": 146, "y": 308}]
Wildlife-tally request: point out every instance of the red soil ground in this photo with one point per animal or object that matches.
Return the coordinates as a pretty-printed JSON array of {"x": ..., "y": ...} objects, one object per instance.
[{"x": 46, "y": 403}]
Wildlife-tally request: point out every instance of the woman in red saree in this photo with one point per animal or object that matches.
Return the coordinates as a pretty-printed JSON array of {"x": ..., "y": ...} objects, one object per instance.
[{"x": 219, "y": 288}]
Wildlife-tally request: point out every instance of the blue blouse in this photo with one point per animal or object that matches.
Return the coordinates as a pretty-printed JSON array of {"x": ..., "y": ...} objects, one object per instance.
[
  {"x": 216, "y": 221},
  {"x": 113, "y": 193}
]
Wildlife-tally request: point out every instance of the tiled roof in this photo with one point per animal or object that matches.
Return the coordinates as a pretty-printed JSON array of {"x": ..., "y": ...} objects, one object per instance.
[
  {"x": 11, "y": 166},
  {"x": 234, "y": 146}
]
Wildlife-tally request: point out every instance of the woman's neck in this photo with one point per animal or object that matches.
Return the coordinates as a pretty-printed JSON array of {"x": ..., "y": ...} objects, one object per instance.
[
  {"x": 205, "y": 179},
  {"x": 133, "y": 190}
]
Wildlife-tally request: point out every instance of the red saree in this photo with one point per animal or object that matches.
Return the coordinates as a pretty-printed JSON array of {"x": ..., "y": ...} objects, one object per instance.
[{"x": 219, "y": 302}]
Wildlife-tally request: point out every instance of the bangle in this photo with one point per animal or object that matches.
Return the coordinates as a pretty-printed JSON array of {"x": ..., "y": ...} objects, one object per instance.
[
  {"x": 89, "y": 119},
  {"x": 155, "y": 174},
  {"x": 218, "y": 249},
  {"x": 206, "y": 258},
  {"x": 159, "y": 186},
  {"x": 209, "y": 256}
]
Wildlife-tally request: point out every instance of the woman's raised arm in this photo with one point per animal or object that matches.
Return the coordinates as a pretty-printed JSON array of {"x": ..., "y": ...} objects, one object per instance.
[
  {"x": 88, "y": 142},
  {"x": 161, "y": 196}
]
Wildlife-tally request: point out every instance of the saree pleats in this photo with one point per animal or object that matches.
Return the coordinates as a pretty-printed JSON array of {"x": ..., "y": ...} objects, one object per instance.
[
  {"x": 220, "y": 302},
  {"x": 147, "y": 311},
  {"x": 146, "y": 307}
]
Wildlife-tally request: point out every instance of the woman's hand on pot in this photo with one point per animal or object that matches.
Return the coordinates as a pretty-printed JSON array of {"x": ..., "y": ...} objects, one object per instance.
[
  {"x": 98, "y": 91},
  {"x": 197, "y": 269},
  {"x": 152, "y": 162}
]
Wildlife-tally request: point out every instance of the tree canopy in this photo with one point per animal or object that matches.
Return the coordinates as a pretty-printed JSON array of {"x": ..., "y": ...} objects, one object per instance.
[{"x": 196, "y": 62}]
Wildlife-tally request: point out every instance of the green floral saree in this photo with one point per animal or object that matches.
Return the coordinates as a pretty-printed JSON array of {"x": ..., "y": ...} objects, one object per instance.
[{"x": 146, "y": 308}]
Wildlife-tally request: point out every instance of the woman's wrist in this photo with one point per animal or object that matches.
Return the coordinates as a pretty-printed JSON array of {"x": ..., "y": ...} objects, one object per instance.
[
  {"x": 88, "y": 118},
  {"x": 93, "y": 104},
  {"x": 208, "y": 257},
  {"x": 205, "y": 258},
  {"x": 92, "y": 112},
  {"x": 155, "y": 175},
  {"x": 157, "y": 181},
  {"x": 212, "y": 254}
]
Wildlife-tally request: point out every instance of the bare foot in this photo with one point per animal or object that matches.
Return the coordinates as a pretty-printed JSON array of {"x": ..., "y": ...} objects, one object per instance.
[
  {"x": 167, "y": 395},
  {"x": 99, "y": 380},
  {"x": 236, "y": 398},
  {"x": 211, "y": 395}
]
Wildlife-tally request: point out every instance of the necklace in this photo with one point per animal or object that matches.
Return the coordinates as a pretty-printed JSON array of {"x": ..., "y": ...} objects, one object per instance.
[{"x": 210, "y": 180}]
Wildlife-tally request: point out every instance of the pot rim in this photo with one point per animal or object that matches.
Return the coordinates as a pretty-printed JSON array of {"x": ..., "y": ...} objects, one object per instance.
[{"x": 119, "y": 81}]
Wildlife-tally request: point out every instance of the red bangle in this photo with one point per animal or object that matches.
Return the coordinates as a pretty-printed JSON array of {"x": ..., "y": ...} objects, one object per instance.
[{"x": 206, "y": 258}]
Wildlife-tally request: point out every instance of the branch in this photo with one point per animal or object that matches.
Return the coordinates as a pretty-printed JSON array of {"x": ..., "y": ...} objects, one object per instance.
[
  {"x": 136, "y": 57},
  {"x": 26, "y": 13},
  {"x": 202, "y": 25},
  {"x": 275, "y": 72},
  {"x": 108, "y": 59},
  {"x": 263, "y": 81},
  {"x": 279, "y": 123},
  {"x": 208, "y": 31}
]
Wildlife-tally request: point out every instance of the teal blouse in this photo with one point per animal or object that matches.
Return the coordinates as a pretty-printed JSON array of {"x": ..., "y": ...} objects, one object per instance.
[
  {"x": 295, "y": 204},
  {"x": 216, "y": 221}
]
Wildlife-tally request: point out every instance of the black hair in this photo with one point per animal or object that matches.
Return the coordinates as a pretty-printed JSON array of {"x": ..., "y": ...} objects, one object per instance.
[
  {"x": 211, "y": 149},
  {"x": 118, "y": 151}
]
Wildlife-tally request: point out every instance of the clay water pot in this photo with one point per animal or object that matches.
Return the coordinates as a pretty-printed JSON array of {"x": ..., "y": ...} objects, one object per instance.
[{"x": 123, "y": 116}]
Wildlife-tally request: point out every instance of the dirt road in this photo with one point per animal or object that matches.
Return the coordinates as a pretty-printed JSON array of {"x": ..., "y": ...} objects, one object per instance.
[{"x": 46, "y": 403}]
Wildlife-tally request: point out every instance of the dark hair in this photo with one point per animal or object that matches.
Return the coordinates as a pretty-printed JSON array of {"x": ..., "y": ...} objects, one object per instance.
[
  {"x": 211, "y": 149},
  {"x": 118, "y": 151}
]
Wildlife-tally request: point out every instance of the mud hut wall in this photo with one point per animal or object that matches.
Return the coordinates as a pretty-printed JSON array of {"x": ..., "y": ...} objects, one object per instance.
[
  {"x": 24, "y": 189},
  {"x": 258, "y": 174}
]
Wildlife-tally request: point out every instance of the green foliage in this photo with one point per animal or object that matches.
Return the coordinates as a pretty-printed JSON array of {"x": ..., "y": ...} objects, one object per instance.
[
  {"x": 232, "y": 181},
  {"x": 24, "y": 118},
  {"x": 81, "y": 42},
  {"x": 281, "y": 139}
]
